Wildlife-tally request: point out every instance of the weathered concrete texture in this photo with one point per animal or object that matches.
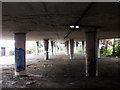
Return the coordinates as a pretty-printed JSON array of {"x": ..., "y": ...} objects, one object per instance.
[
  {"x": 71, "y": 49},
  {"x": 37, "y": 47},
  {"x": 46, "y": 46},
  {"x": 60, "y": 72},
  {"x": 52, "y": 47},
  {"x": 51, "y": 20},
  {"x": 20, "y": 60},
  {"x": 91, "y": 53}
]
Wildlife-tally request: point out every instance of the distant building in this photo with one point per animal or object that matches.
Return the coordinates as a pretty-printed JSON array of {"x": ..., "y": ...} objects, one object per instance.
[{"x": 6, "y": 48}]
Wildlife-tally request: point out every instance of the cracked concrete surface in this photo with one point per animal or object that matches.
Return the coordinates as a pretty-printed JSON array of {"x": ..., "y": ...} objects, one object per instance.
[{"x": 60, "y": 72}]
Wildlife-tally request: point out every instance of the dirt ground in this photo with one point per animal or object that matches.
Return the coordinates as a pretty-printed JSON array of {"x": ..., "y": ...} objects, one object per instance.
[{"x": 60, "y": 72}]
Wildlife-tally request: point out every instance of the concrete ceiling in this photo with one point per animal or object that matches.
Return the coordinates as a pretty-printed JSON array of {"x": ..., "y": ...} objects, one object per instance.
[{"x": 41, "y": 20}]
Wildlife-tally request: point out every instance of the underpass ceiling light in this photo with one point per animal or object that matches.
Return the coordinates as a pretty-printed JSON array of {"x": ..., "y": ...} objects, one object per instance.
[
  {"x": 71, "y": 26},
  {"x": 74, "y": 26}
]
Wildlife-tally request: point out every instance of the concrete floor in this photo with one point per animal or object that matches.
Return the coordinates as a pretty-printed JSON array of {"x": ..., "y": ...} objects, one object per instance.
[{"x": 60, "y": 72}]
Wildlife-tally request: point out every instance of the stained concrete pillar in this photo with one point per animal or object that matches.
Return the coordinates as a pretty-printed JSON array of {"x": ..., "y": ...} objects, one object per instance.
[
  {"x": 71, "y": 49},
  {"x": 76, "y": 46},
  {"x": 3, "y": 51},
  {"x": 106, "y": 47},
  {"x": 54, "y": 44},
  {"x": 37, "y": 47},
  {"x": 91, "y": 53},
  {"x": 67, "y": 47},
  {"x": 56, "y": 50},
  {"x": 57, "y": 43},
  {"x": 98, "y": 48},
  {"x": 113, "y": 52},
  {"x": 46, "y": 44},
  {"x": 52, "y": 47},
  {"x": 83, "y": 47},
  {"x": 20, "y": 60}
]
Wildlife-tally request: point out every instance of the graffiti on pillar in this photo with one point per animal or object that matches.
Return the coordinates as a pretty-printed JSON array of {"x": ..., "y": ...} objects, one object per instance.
[{"x": 20, "y": 64}]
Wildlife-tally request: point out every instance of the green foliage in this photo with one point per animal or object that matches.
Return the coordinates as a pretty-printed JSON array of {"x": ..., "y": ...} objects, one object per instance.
[
  {"x": 117, "y": 51},
  {"x": 109, "y": 51},
  {"x": 80, "y": 50},
  {"x": 105, "y": 52},
  {"x": 32, "y": 48}
]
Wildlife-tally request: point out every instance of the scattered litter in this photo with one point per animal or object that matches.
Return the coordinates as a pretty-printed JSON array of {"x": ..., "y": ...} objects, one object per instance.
[
  {"x": 32, "y": 75},
  {"x": 30, "y": 82},
  {"x": 30, "y": 65},
  {"x": 13, "y": 82}
]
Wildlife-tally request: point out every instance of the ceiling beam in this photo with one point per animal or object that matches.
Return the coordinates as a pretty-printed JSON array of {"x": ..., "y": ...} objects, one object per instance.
[{"x": 80, "y": 18}]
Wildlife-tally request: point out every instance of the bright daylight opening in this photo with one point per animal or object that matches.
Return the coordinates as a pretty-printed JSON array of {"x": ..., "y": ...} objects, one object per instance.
[{"x": 7, "y": 51}]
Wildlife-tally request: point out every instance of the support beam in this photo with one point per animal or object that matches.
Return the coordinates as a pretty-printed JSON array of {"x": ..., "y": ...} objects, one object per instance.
[
  {"x": 98, "y": 48},
  {"x": 57, "y": 47},
  {"x": 37, "y": 47},
  {"x": 71, "y": 49},
  {"x": 20, "y": 60},
  {"x": 46, "y": 44},
  {"x": 52, "y": 47},
  {"x": 81, "y": 17},
  {"x": 76, "y": 46},
  {"x": 83, "y": 47},
  {"x": 113, "y": 53},
  {"x": 106, "y": 47},
  {"x": 91, "y": 53},
  {"x": 54, "y": 43},
  {"x": 67, "y": 47}
]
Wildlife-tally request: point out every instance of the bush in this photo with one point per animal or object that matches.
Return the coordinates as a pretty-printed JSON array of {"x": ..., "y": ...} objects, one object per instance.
[
  {"x": 105, "y": 52},
  {"x": 80, "y": 50},
  {"x": 117, "y": 51}
]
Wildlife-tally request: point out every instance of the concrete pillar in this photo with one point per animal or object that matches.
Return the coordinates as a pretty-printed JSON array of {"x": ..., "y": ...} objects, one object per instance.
[
  {"x": 76, "y": 46},
  {"x": 67, "y": 47},
  {"x": 71, "y": 49},
  {"x": 3, "y": 51},
  {"x": 46, "y": 44},
  {"x": 20, "y": 60},
  {"x": 52, "y": 47},
  {"x": 113, "y": 53},
  {"x": 83, "y": 47},
  {"x": 91, "y": 53},
  {"x": 37, "y": 48},
  {"x": 58, "y": 48},
  {"x": 106, "y": 47},
  {"x": 98, "y": 48},
  {"x": 54, "y": 44}
]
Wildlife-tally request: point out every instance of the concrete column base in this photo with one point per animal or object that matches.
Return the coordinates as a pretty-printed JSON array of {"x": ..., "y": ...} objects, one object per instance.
[
  {"x": 71, "y": 57},
  {"x": 87, "y": 75},
  {"x": 46, "y": 55},
  {"x": 22, "y": 73}
]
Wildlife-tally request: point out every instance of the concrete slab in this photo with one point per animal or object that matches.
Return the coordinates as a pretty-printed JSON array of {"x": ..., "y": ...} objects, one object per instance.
[{"x": 61, "y": 72}]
